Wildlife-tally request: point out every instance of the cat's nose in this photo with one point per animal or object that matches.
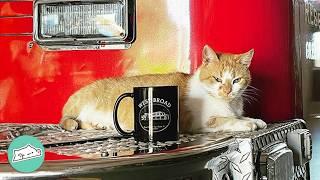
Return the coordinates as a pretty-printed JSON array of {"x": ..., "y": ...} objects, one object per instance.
[{"x": 226, "y": 90}]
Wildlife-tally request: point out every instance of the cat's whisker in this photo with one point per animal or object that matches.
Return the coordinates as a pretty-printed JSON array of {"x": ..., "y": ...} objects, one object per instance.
[
  {"x": 247, "y": 97},
  {"x": 251, "y": 100},
  {"x": 247, "y": 100},
  {"x": 251, "y": 93},
  {"x": 251, "y": 90},
  {"x": 250, "y": 97},
  {"x": 250, "y": 86}
]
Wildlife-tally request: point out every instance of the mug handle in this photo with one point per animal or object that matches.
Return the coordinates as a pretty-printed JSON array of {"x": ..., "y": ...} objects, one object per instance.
[{"x": 115, "y": 114}]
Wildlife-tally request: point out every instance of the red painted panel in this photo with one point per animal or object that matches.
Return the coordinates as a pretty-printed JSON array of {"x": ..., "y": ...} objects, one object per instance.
[
  {"x": 237, "y": 26},
  {"x": 35, "y": 83},
  {"x": 16, "y": 8},
  {"x": 15, "y": 25}
]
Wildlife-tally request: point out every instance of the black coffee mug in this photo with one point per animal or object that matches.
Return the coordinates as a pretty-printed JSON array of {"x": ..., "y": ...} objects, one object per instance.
[{"x": 156, "y": 113}]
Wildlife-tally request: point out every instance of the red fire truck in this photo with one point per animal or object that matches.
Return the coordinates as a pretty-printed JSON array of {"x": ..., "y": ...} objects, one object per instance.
[{"x": 51, "y": 48}]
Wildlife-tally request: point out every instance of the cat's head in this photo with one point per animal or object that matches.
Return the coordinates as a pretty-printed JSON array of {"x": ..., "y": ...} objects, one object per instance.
[{"x": 225, "y": 75}]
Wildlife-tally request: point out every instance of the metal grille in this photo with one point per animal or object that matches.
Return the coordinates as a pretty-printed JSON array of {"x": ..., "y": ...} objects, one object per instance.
[
  {"x": 300, "y": 172},
  {"x": 276, "y": 132}
]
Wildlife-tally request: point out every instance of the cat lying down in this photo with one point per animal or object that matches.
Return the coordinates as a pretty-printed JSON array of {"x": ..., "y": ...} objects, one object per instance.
[{"x": 211, "y": 99}]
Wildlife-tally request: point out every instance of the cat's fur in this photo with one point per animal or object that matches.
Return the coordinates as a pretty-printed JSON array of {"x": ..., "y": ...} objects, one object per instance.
[{"x": 210, "y": 99}]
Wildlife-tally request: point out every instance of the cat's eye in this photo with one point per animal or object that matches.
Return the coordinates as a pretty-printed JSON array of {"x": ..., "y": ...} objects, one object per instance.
[
  {"x": 217, "y": 79},
  {"x": 236, "y": 80}
]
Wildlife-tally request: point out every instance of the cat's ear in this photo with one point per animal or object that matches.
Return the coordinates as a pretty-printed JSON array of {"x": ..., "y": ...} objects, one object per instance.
[
  {"x": 246, "y": 58},
  {"x": 208, "y": 55}
]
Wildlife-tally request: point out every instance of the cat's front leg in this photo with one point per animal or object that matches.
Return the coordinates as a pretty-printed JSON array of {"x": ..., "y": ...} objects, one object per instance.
[
  {"x": 229, "y": 124},
  {"x": 260, "y": 123}
]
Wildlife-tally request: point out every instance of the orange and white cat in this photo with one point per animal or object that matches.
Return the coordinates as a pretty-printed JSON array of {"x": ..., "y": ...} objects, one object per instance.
[{"x": 211, "y": 99}]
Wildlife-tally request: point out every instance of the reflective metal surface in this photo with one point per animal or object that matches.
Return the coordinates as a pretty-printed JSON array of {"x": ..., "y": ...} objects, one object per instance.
[
  {"x": 97, "y": 153},
  {"x": 103, "y": 155}
]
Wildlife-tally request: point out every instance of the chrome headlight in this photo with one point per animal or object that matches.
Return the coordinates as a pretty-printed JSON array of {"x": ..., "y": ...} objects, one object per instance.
[{"x": 84, "y": 22}]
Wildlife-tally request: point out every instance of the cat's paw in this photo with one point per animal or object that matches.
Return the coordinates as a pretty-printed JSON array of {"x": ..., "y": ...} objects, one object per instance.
[
  {"x": 260, "y": 123},
  {"x": 245, "y": 126},
  {"x": 69, "y": 124},
  {"x": 86, "y": 125},
  {"x": 239, "y": 126},
  {"x": 230, "y": 124},
  {"x": 99, "y": 126},
  {"x": 103, "y": 126}
]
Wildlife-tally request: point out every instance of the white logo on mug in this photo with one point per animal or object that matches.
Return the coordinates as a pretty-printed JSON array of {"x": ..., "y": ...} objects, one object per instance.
[{"x": 161, "y": 116}]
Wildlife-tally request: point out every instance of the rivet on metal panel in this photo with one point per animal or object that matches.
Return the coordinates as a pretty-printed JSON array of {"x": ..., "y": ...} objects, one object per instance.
[{"x": 30, "y": 44}]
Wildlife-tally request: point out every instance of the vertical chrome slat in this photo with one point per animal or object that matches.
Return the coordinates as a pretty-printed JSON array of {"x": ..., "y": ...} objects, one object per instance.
[{"x": 150, "y": 111}]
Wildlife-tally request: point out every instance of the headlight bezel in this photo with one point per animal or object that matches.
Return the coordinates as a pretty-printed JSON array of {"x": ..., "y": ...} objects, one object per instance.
[{"x": 129, "y": 22}]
